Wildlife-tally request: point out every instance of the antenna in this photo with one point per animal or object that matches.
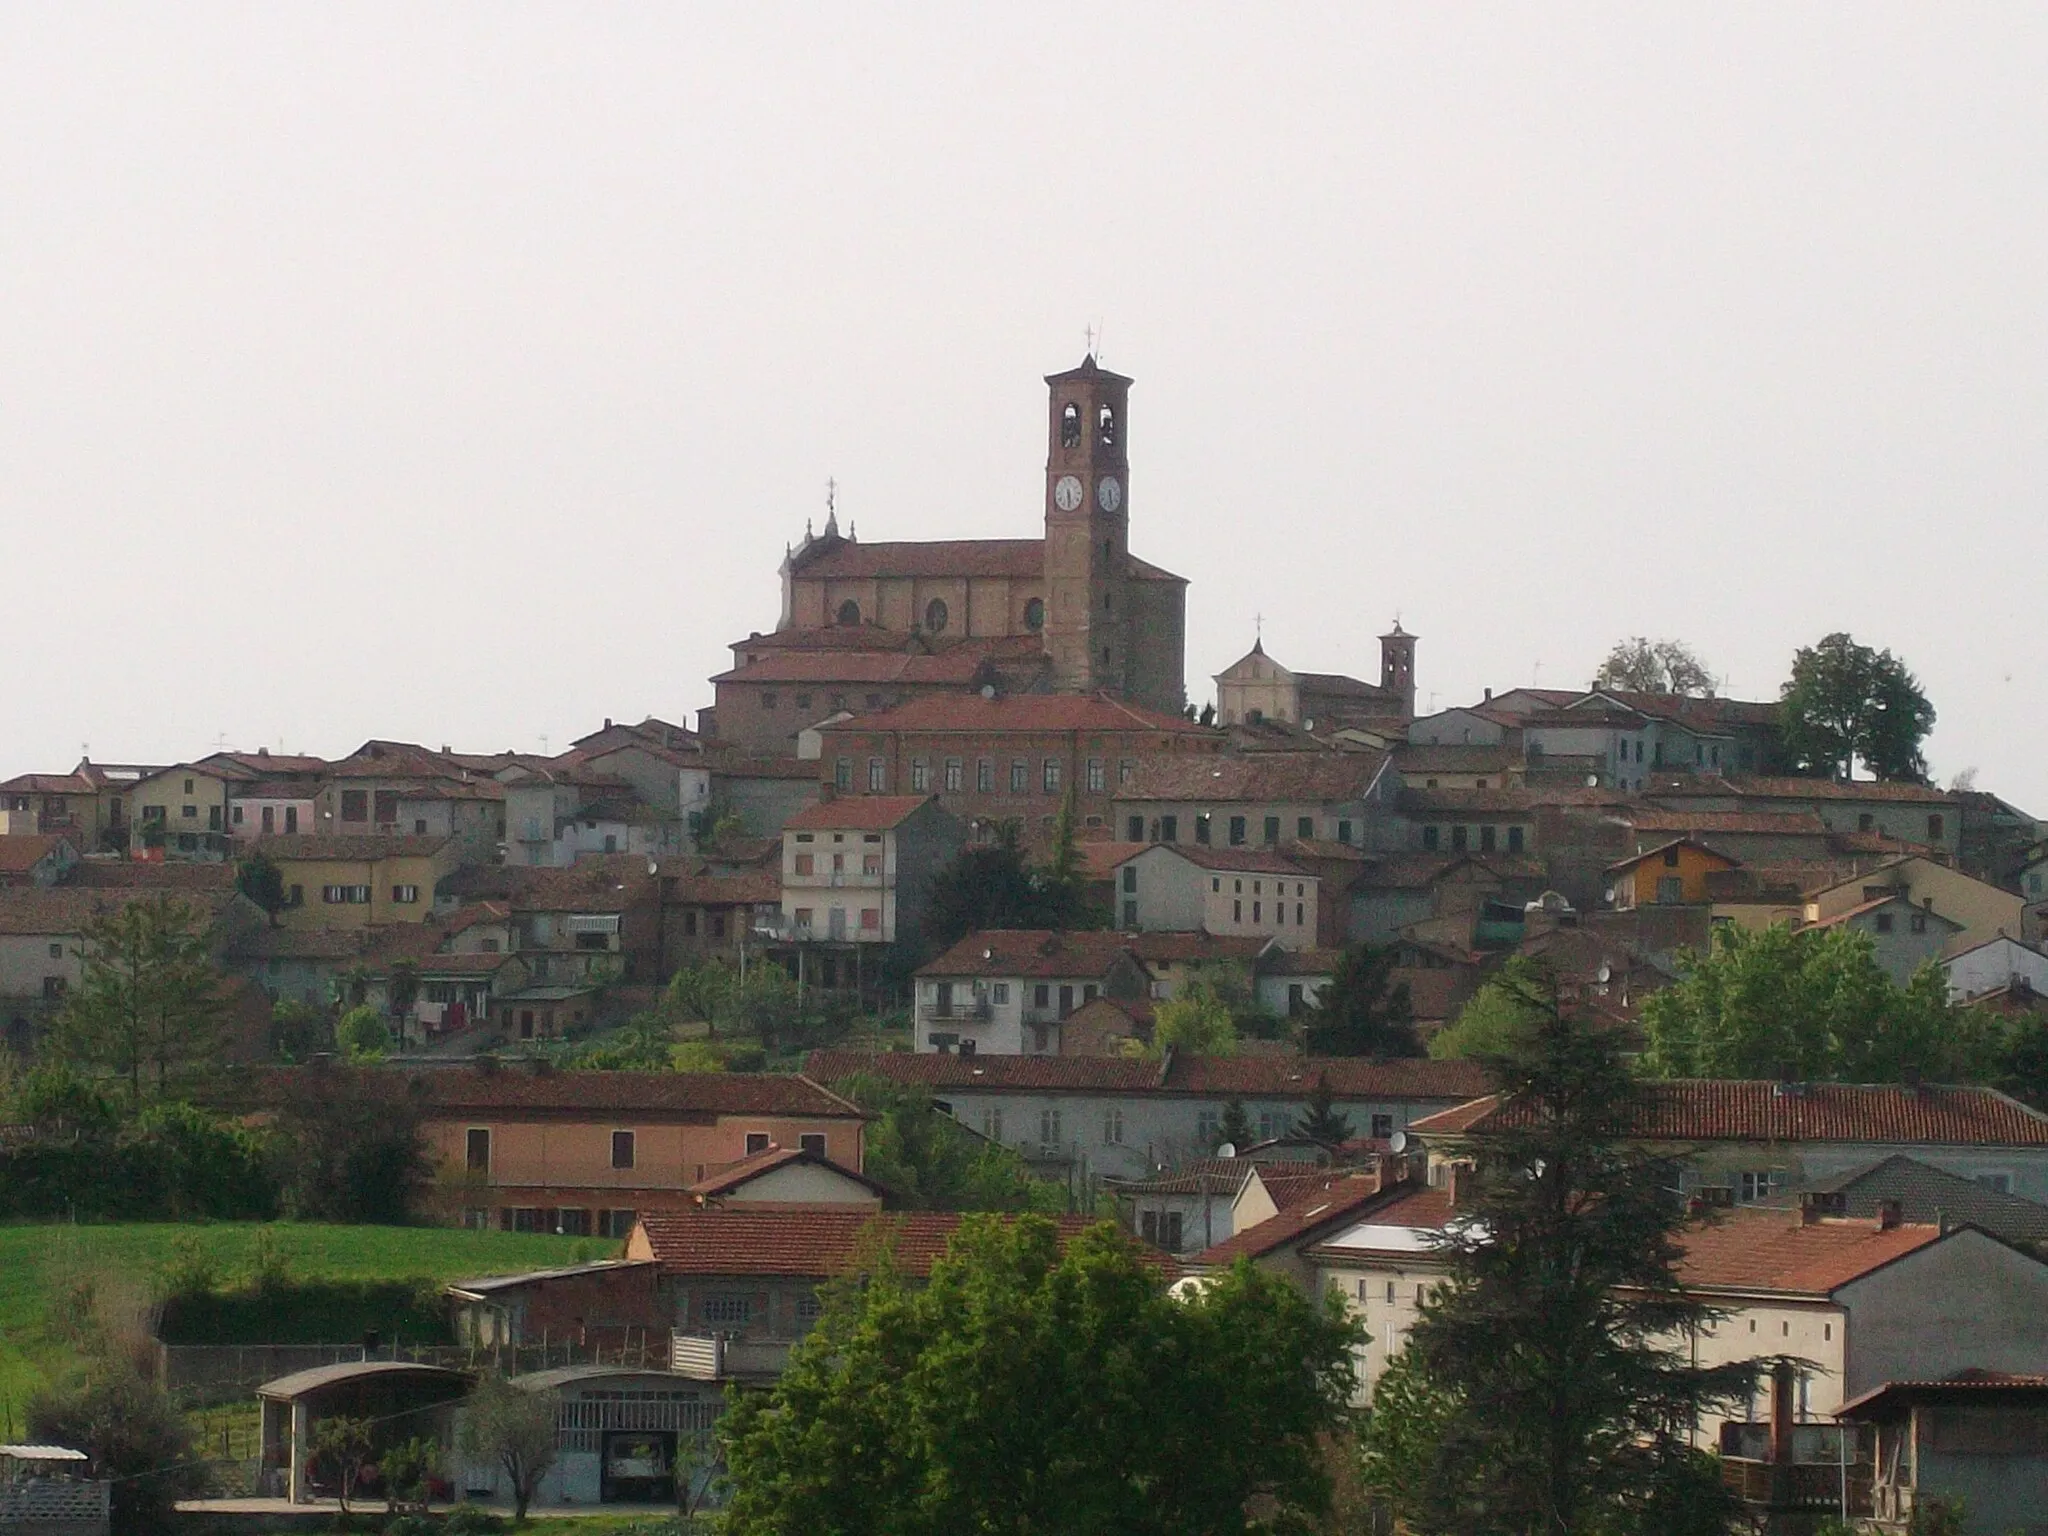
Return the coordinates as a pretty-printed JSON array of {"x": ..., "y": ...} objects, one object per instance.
[
  {"x": 1228, "y": 1149},
  {"x": 543, "y": 743}
]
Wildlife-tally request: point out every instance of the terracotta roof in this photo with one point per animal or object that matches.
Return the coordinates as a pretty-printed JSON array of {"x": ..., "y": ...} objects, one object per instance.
[
  {"x": 1456, "y": 758},
  {"x": 1705, "y": 1110},
  {"x": 1677, "y": 842},
  {"x": 1206, "y": 1175},
  {"x": 1419, "y": 871},
  {"x": 704, "y": 889},
  {"x": 300, "y": 944},
  {"x": 514, "y": 1088},
  {"x": 1417, "y": 1207},
  {"x": 1175, "y": 947},
  {"x": 813, "y": 1244},
  {"x": 376, "y": 759},
  {"x": 1301, "y": 962},
  {"x": 1697, "y": 712},
  {"x": 61, "y": 911},
  {"x": 609, "y": 883},
  {"x": 1297, "y": 1223},
  {"x": 1890, "y": 898},
  {"x": 1031, "y": 952},
  {"x": 1285, "y": 1077},
  {"x": 1100, "y": 859},
  {"x": 1972, "y": 1385},
  {"x": 1342, "y": 685},
  {"x": 971, "y": 713},
  {"x": 47, "y": 784},
  {"x": 1768, "y": 1250},
  {"x": 355, "y": 850},
  {"x": 150, "y": 874},
  {"x": 747, "y": 1169},
  {"x": 1705, "y": 823},
  {"x": 476, "y": 963},
  {"x": 865, "y": 655},
  {"x": 1761, "y": 788},
  {"x": 1318, "y": 778},
  {"x": 1247, "y": 860},
  {"x": 858, "y": 813},
  {"x": 24, "y": 851},
  {"x": 263, "y": 761},
  {"x": 1013, "y": 559}
]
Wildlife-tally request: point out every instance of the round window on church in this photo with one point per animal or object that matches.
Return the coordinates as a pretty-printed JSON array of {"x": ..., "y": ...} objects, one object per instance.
[
  {"x": 849, "y": 613},
  {"x": 935, "y": 616},
  {"x": 1034, "y": 613}
]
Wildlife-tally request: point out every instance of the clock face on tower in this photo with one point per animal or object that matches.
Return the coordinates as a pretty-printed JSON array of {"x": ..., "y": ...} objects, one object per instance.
[
  {"x": 1067, "y": 493},
  {"x": 1109, "y": 494}
]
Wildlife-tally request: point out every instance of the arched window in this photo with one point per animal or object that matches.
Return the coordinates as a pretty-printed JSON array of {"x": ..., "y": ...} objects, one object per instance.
[
  {"x": 1070, "y": 425},
  {"x": 1105, "y": 422},
  {"x": 1108, "y": 603},
  {"x": 935, "y": 616},
  {"x": 1034, "y": 613},
  {"x": 849, "y": 613},
  {"x": 1109, "y": 549}
]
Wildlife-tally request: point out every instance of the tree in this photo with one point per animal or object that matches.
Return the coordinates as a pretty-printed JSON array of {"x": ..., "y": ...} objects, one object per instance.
[
  {"x": 407, "y": 1471},
  {"x": 1639, "y": 665},
  {"x": 992, "y": 885},
  {"x": 929, "y": 1162},
  {"x": 1194, "y": 1022},
  {"x": 1551, "y": 1389},
  {"x": 149, "y": 999},
  {"x": 258, "y": 878},
  {"x": 514, "y": 1429},
  {"x": 1493, "y": 1018},
  {"x": 1321, "y": 1122},
  {"x": 1236, "y": 1125},
  {"x": 1042, "y": 1392},
  {"x": 1811, "y": 1006},
  {"x": 134, "y": 1435},
  {"x": 298, "y": 1030},
  {"x": 348, "y": 1448},
  {"x": 1363, "y": 1011},
  {"x": 362, "y": 1034},
  {"x": 1847, "y": 703},
  {"x": 349, "y": 1149}
]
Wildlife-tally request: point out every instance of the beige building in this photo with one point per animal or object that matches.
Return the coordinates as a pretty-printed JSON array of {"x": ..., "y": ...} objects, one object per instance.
[
  {"x": 181, "y": 812},
  {"x": 1257, "y": 688},
  {"x": 1230, "y": 892},
  {"x": 1980, "y": 910},
  {"x": 358, "y": 882}
]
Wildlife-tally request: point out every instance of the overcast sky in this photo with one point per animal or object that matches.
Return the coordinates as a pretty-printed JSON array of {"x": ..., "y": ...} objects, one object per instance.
[{"x": 458, "y": 374}]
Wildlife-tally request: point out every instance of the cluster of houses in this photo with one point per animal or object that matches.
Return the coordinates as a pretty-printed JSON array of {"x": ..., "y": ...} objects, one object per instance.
[{"x": 916, "y": 699}]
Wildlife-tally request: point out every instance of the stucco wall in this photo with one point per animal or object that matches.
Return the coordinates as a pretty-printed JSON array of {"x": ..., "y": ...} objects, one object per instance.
[{"x": 1968, "y": 1301}]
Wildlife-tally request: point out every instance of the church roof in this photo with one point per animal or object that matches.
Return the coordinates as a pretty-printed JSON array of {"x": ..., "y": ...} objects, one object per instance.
[
  {"x": 970, "y": 712},
  {"x": 857, "y": 662},
  {"x": 936, "y": 559}
]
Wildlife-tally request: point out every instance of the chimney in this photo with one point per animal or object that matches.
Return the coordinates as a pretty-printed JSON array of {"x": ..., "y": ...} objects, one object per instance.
[
  {"x": 1781, "y": 1411},
  {"x": 607, "y": 722},
  {"x": 1489, "y": 696},
  {"x": 1809, "y": 1210},
  {"x": 1889, "y": 1214}
]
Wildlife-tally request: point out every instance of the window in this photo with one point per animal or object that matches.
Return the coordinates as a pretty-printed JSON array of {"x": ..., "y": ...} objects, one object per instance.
[
  {"x": 268, "y": 813},
  {"x": 1105, "y": 426},
  {"x": 1304, "y": 826},
  {"x": 1882, "y": 922},
  {"x": 999, "y": 993},
  {"x": 1148, "y": 1226},
  {"x": 1171, "y": 1233},
  {"x": 1202, "y": 828},
  {"x": 1934, "y": 828},
  {"x": 1134, "y": 829},
  {"x": 1034, "y": 614},
  {"x": 849, "y": 613},
  {"x": 812, "y": 1142},
  {"x": 1070, "y": 425},
  {"x": 622, "y": 1149},
  {"x": 1382, "y": 1127},
  {"x": 1049, "y": 1127},
  {"x": 1051, "y": 776},
  {"x": 1066, "y": 999},
  {"x": 878, "y": 775},
  {"x": 1670, "y": 890},
  {"x": 768, "y": 698},
  {"x": 1041, "y": 995},
  {"x": 984, "y": 776},
  {"x": 191, "y": 812},
  {"x": 1130, "y": 914},
  {"x": 1112, "y": 1127},
  {"x": 1459, "y": 838},
  {"x": 726, "y": 1311},
  {"x": 1299, "y": 909},
  {"x": 188, "y": 787},
  {"x": 1097, "y": 780},
  {"x": 53, "y": 988},
  {"x": 1237, "y": 911},
  {"x": 870, "y": 919},
  {"x": 920, "y": 776},
  {"x": 298, "y": 896},
  {"x": 953, "y": 776},
  {"x": 1865, "y": 822},
  {"x": 1918, "y": 922},
  {"x": 842, "y": 774},
  {"x": 1020, "y": 776},
  {"x": 1124, "y": 770},
  {"x": 757, "y": 1141},
  {"x": 1169, "y": 829},
  {"x": 1208, "y": 1128},
  {"x": 405, "y": 895},
  {"x": 616, "y": 1223},
  {"x": 1272, "y": 830},
  {"x": 57, "y": 951},
  {"x": 1256, "y": 908},
  {"x": 1760, "y": 1184},
  {"x": 935, "y": 616},
  {"x": 871, "y": 863},
  {"x": 1998, "y": 1183},
  {"x": 806, "y": 863},
  {"x": 1130, "y": 885},
  {"x": 1514, "y": 839},
  {"x": 1430, "y": 838},
  {"x": 992, "y": 1123},
  {"x": 1343, "y": 831},
  {"x": 803, "y": 701},
  {"x": 478, "y": 1150},
  {"x": 1237, "y": 831}
]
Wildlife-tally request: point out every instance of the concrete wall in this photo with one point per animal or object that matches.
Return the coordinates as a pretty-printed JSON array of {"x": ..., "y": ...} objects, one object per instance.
[{"x": 1966, "y": 1301}]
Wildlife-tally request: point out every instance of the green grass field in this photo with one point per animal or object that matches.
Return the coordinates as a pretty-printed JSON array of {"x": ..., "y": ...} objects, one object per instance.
[{"x": 35, "y": 1259}]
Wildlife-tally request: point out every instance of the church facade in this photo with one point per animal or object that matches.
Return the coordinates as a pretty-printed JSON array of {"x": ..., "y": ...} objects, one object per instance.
[{"x": 866, "y": 627}]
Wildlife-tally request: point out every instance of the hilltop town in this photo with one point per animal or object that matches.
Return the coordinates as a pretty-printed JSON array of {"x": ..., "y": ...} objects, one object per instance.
[{"x": 952, "y": 845}]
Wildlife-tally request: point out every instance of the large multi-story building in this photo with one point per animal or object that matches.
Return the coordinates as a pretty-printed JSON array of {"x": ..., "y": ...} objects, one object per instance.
[{"x": 867, "y": 627}]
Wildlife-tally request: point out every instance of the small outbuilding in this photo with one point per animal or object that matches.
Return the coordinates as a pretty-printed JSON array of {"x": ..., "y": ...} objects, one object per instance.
[
  {"x": 617, "y": 1435},
  {"x": 403, "y": 1399},
  {"x": 44, "y": 1491}
]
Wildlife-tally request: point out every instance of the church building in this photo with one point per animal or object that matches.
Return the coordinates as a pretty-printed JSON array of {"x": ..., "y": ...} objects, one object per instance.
[{"x": 868, "y": 627}]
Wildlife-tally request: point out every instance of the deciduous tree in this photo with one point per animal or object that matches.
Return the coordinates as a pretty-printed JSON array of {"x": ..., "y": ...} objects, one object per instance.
[
  {"x": 258, "y": 878},
  {"x": 1044, "y": 1393},
  {"x": 1196, "y": 1021},
  {"x": 1639, "y": 665},
  {"x": 512, "y": 1429},
  {"x": 1847, "y": 703}
]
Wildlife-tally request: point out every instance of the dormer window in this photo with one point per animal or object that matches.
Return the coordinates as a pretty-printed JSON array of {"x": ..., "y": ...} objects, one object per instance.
[
  {"x": 1070, "y": 425},
  {"x": 1105, "y": 424}
]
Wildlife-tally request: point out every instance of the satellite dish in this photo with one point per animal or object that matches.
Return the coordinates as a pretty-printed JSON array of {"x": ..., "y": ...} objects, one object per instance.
[
  {"x": 1605, "y": 974},
  {"x": 1228, "y": 1149},
  {"x": 1398, "y": 1142},
  {"x": 1608, "y": 894},
  {"x": 1592, "y": 781},
  {"x": 988, "y": 690}
]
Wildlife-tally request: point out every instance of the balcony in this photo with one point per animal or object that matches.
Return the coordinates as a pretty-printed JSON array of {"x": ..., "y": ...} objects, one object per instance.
[
  {"x": 717, "y": 1357},
  {"x": 964, "y": 1010},
  {"x": 1825, "y": 1486}
]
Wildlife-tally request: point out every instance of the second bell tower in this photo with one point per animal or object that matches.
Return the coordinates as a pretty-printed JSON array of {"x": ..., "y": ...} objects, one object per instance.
[{"x": 1087, "y": 517}]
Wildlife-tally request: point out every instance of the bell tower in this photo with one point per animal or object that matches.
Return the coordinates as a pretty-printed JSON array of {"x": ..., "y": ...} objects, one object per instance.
[
  {"x": 1397, "y": 667},
  {"x": 1087, "y": 549}
]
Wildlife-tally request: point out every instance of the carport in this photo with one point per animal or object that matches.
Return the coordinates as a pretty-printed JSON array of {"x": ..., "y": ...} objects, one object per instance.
[{"x": 401, "y": 1398}]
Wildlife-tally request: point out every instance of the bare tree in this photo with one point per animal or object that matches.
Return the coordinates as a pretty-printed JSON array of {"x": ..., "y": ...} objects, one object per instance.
[{"x": 1640, "y": 665}]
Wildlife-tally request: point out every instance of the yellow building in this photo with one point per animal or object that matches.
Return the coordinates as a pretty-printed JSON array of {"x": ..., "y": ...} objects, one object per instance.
[
  {"x": 1672, "y": 874},
  {"x": 358, "y": 882},
  {"x": 181, "y": 812}
]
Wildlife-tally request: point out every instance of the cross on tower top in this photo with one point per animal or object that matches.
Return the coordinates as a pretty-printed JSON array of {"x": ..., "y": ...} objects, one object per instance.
[{"x": 1088, "y": 334}]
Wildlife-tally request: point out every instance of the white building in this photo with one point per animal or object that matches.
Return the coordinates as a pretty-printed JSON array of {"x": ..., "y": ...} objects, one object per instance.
[
  {"x": 1234, "y": 892},
  {"x": 1006, "y": 992}
]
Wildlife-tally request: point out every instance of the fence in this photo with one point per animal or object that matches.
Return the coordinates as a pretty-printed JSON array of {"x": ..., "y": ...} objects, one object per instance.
[{"x": 55, "y": 1507}]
